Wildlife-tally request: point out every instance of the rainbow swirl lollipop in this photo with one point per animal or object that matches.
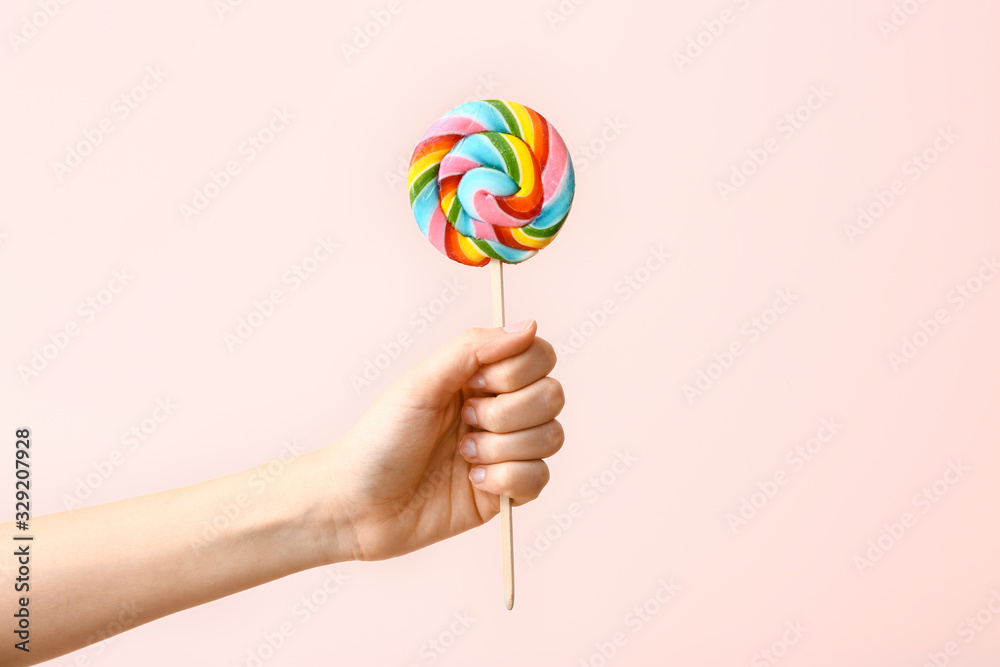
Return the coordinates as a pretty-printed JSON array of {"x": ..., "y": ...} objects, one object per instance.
[{"x": 491, "y": 180}]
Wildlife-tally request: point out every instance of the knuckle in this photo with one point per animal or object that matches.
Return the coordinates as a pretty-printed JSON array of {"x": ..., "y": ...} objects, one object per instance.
[
  {"x": 557, "y": 436},
  {"x": 548, "y": 353},
  {"x": 504, "y": 377},
  {"x": 491, "y": 450},
  {"x": 543, "y": 476},
  {"x": 496, "y": 417},
  {"x": 554, "y": 396},
  {"x": 502, "y": 477},
  {"x": 468, "y": 344},
  {"x": 470, "y": 336}
]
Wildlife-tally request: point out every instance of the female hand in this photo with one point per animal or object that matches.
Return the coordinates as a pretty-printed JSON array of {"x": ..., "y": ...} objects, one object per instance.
[{"x": 433, "y": 455}]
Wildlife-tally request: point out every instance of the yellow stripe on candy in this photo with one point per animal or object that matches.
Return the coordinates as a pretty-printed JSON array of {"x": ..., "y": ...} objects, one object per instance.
[
  {"x": 447, "y": 200},
  {"x": 424, "y": 163},
  {"x": 470, "y": 250},
  {"x": 525, "y": 165},
  {"x": 530, "y": 241},
  {"x": 527, "y": 127}
]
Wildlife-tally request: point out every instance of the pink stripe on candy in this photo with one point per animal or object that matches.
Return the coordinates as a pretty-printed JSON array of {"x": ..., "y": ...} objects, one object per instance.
[
  {"x": 488, "y": 209},
  {"x": 555, "y": 169},
  {"x": 484, "y": 231},
  {"x": 455, "y": 165},
  {"x": 453, "y": 125},
  {"x": 435, "y": 229}
]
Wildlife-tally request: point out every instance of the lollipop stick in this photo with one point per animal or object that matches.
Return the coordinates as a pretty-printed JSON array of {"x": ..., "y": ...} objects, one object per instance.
[{"x": 506, "y": 528}]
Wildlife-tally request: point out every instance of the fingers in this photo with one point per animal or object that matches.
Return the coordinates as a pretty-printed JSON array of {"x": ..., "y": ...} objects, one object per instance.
[
  {"x": 449, "y": 368},
  {"x": 538, "y": 442},
  {"x": 518, "y": 371},
  {"x": 521, "y": 481},
  {"x": 517, "y": 428},
  {"x": 533, "y": 405}
]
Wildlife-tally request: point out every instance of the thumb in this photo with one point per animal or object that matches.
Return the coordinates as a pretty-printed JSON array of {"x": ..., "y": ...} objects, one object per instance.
[{"x": 451, "y": 366}]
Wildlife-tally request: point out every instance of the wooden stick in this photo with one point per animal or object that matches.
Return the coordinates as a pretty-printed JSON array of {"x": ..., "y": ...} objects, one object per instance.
[{"x": 506, "y": 527}]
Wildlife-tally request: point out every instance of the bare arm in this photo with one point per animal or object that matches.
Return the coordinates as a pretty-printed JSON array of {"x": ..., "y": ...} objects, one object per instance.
[
  {"x": 98, "y": 569},
  {"x": 428, "y": 461}
]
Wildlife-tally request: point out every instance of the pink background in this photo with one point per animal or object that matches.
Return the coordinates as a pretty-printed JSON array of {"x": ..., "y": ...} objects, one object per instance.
[{"x": 651, "y": 140}]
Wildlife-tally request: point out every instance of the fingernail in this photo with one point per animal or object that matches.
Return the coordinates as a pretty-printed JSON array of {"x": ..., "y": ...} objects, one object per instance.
[
  {"x": 468, "y": 448},
  {"x": 477, "y": 474},
  {"x": 477, "y": 381},
  {"x": 469, "y": 415},
  {"x": 518, "y": 326}
]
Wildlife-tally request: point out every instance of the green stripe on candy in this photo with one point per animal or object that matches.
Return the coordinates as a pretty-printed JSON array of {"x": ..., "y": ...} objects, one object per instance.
[
  {"x": 508, "y": 116},
  {"x": 423, "y": 179},
  {"x": 528, "y": 230},
  {"x": 502, "y": 144},
  {"x": 453, "y": 212},
  {"x": 485, "y": 248}
]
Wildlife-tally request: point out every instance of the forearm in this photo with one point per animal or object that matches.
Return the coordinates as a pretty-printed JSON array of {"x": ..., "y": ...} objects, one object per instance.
[{"x": 154, "y": 555}]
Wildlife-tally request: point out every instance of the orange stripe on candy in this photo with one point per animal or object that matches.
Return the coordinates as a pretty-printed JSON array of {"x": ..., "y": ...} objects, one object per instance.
[
  {"x": 448, "y": 191},
  {"x": 540, "y": 149},
  {"x": 435, "y": 144},
  {"x": 505, "y": 236},
  {"x": 525, "y": 204}
]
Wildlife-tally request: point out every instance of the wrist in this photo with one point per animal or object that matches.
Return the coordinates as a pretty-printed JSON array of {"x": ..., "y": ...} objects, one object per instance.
[{"x": 322, "y": 524}]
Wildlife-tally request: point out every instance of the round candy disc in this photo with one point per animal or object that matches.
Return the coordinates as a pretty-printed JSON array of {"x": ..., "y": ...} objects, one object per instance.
[{"x": 491, "y": 180}]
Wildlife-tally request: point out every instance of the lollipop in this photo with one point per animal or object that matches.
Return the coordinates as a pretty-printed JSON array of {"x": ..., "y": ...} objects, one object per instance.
[{"x": 491, "y": 182}]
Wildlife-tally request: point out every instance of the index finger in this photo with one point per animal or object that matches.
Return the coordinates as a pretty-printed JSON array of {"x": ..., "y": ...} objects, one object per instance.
[{"x": 518, "y": 371}]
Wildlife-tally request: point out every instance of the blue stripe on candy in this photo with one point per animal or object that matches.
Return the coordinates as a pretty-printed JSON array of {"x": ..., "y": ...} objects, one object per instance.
[
  {"x": 479, "y": 149},
  {"x": 463, "y": 224},
  {"x": 484, "y": 114},
  {"x": 557, "y": 207},
  {"x": 424, "y": 205},
  {"x": 492, "y": 181}
]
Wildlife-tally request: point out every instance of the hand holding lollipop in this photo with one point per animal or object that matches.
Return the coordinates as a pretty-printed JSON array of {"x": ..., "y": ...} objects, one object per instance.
[{"x": 492, "y": 182}]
